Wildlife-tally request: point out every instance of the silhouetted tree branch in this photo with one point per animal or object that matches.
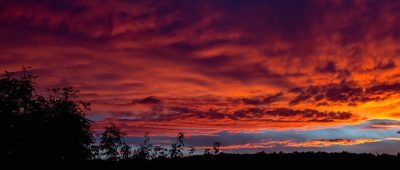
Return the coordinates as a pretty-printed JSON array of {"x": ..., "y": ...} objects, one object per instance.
[
  {"x": 216, "y": 146},
  {"x": 177, "y": 147},
  {"x": 143, "y": 152},
  {"x": 111, "y": 144}
]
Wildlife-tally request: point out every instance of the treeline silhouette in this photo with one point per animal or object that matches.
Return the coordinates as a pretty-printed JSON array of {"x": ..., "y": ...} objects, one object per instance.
[
  {"x": 33, "y": 126},
  {"x": 54, "y": 127}
]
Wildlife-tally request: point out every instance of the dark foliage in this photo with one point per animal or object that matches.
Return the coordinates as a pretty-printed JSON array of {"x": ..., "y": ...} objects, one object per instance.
[
  {"x": 112, "y": 145},
  {"x": 143, "y": 152},
  {"x": 177, "y": 147},
  {"x": 263, "y": 160},
  {"x": 216, "y": 147},
  {"x": 192, "y": 151},
  {"x": 38, "y": 127}
]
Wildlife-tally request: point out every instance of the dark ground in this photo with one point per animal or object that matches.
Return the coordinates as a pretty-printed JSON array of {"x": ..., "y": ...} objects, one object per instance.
[{"x": 320, "y": 160}]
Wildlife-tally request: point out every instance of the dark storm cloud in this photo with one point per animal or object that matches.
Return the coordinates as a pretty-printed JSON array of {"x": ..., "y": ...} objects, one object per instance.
[
  {"x": 385, "y": 66},
  {"x": 330, "y": 67},
  {"x": 384, "y": 88},
  {"x": 149, "y": 100},
  {"x": 289, "y": 20},
  {"x": 262, "y": 101},
  {"x": 344, "y": 93},
  {"x": 259, "y": 114}
]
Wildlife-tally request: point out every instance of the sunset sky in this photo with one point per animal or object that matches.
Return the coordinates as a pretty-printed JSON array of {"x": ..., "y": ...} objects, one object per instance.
[{"x": 271, "y": 75}]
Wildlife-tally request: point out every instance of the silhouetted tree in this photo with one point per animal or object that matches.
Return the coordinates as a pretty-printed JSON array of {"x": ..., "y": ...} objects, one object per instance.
[
  {"x": 216, "y": 146},
  {"x": 126, "y": 152},
  {"x": 38, "y": 127},
  {"x": 16, "y": 99},
  {"x": 159, "y": 152},
  {"x": 207, "y": 152},
  {"x": 177, "y": 147},
  {"x": 95, "y": 151},
  {"x": 111, "y": 142},
  {"x": 143, "y": 152},
  {"x": 192, "y": 151}
]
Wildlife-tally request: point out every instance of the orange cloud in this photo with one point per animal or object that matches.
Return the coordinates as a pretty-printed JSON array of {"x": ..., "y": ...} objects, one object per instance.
[{"x": 330, "y": 142}]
